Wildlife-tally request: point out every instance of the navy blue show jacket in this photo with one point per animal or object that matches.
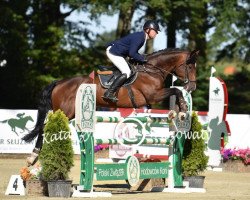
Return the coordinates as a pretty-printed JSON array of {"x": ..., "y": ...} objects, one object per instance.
[{"x": 129, "y": 46}]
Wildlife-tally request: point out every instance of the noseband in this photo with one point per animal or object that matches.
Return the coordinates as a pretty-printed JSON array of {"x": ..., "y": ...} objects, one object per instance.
[{"x": 186, "y": 78}]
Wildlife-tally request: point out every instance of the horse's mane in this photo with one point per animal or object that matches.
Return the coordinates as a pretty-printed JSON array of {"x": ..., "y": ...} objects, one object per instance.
[{"x": 167, "y": 51}]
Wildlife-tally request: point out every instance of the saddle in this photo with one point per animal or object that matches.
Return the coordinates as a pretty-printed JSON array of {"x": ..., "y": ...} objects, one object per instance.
[{"x": 107, "y": 74}]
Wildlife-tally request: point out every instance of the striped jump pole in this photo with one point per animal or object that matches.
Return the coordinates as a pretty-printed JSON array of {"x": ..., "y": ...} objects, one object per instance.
[
  {"x": 154, "y": 140},
  {"x": 149, "y": 121},
  {"x": 142, "y": 119}
]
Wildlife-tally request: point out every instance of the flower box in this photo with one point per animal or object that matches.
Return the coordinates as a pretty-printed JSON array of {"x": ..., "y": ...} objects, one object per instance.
[
  {"x": 236, "y": 166},
  {"x": 36, "y": 187}
]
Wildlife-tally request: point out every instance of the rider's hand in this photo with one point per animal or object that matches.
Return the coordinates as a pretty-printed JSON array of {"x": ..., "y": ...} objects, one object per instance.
[
  {"x": 132, "y": 61},
  {"x": 143, "y": 62}
]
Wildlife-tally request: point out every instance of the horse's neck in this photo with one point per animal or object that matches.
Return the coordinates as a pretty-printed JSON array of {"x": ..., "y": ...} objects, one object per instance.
[{"x": 167, "y": 62}]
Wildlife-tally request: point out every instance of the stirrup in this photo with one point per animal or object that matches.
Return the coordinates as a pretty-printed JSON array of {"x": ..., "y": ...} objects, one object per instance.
[{"x": 112, "y": 98}]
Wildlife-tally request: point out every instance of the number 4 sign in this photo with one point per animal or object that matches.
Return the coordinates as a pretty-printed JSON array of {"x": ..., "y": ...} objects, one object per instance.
[{"x": 15, "y": 186}]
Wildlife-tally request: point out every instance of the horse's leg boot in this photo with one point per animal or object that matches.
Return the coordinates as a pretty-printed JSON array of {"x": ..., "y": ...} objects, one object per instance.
[
  {"x": 32, "y": 159},
  {"x": 110, "y": 93}
]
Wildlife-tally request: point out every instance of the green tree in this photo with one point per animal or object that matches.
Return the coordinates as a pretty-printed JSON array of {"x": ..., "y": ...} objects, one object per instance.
[
  {"x": 13, "y": 49},
  {"x": 231, "y": 29},
  {"x": 126, "y": 12},
  {"x": 194, "y": 159},
  {"x": 57, "y": 153},
  {"x": 238, "y": 90}
]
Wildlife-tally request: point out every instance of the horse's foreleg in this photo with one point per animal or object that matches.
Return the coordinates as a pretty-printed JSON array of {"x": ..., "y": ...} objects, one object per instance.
[
  {"x": 167, "y": 92},
  {"x": 180, "y": 101}
]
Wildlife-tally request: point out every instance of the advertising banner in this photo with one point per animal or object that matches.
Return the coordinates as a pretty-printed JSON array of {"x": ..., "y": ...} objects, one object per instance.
[
  {"x": 14, "y": 124},
  {"x": 218, "y": 127}
]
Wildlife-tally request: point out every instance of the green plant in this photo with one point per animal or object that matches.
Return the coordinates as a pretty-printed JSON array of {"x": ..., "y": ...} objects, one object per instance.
[
  {"x": 194, "y": 159},
  {"x": 57, "y": 154}
]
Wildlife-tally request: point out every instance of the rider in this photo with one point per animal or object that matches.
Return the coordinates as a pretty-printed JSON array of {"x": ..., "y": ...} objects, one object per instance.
[{"x": 128, "y": 46}]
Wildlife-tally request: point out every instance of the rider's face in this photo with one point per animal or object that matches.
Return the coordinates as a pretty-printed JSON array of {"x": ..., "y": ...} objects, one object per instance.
[{"x": 151, "y": 33}]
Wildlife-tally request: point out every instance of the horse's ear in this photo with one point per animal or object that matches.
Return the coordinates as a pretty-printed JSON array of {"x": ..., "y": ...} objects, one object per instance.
[
  {"x": 194, "y": 53},
  {"x": 193, "y": 57}
]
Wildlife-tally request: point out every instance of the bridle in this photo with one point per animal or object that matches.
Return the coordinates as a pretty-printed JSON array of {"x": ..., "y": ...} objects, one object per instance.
[
  {"x": 186, "y": 78},
  {"x": 164, "y": 73}
]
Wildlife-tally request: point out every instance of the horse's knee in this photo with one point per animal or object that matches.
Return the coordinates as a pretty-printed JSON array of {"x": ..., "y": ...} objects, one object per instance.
[{"x": 178, "y": 92}]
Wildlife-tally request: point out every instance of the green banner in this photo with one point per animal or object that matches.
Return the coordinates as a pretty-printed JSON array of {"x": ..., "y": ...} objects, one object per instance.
[
  {"x": 154, "y": 170},
  {"x": 111, "y": 171},
  {"x": 119, "y": 171}
]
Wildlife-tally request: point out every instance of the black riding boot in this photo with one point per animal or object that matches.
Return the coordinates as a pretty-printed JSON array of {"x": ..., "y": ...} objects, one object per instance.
[{"x": 110, "y": 93}]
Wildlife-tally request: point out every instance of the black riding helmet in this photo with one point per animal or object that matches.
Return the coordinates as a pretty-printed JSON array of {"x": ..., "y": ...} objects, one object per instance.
[{"x": 151, "y": 24}]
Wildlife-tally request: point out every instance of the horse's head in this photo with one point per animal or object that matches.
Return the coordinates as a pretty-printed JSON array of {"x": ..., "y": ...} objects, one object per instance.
[
  {"x": 186, "y": 71},
  {"x": 177, "y": 62}
]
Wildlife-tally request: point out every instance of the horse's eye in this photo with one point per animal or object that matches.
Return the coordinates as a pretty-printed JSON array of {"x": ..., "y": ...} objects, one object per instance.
[{"x": 190, "y": 66}]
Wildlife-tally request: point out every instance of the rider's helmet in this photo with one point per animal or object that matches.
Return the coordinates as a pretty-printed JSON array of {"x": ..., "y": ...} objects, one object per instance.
[{"x": 151, "y": 24}]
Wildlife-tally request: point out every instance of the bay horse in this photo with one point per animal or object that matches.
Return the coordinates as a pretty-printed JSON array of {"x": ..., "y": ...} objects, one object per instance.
[{"x": 148, "y": 88}]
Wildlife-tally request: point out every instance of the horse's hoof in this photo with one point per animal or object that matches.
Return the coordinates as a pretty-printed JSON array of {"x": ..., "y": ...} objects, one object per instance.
[
  {"x": 172, "y": 114},
  {"x": 32, "y": 159},
  {"x": 182, "y": 116}
]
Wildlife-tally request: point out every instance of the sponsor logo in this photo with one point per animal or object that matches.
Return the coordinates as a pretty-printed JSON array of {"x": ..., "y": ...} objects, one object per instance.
[
  {"x": 18, "y": 124},
  {"x": 88, "y": 108},
  {"x": 216, "y": 91}
]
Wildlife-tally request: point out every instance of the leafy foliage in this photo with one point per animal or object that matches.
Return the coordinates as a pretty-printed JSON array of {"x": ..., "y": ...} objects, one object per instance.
[
  {"x": 238, "y": 86},
  {"x": 232, "y": 28},
  {"x": 13, "y": 48},
  {"x": 57, "y": 154},
  {"x": 194, "y": 159}
]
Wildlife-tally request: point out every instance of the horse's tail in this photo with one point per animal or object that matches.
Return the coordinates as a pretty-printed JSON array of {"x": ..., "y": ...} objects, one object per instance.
[
  {"x": 4, "y": 121},
  {"x": 44, "y": 106}
]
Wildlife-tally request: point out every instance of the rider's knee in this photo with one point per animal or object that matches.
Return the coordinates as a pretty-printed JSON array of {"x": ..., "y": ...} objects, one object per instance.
[{"x": 128, "y": 73}]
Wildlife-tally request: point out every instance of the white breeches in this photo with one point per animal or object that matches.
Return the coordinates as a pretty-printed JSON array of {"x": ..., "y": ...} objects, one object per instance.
[{"x": 119, "y": 62}]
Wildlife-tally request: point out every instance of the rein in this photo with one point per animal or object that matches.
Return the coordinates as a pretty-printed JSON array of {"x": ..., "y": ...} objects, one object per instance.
[
  {"x": 163, "y": 72},
  {"x": 142, "y": 68}
]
